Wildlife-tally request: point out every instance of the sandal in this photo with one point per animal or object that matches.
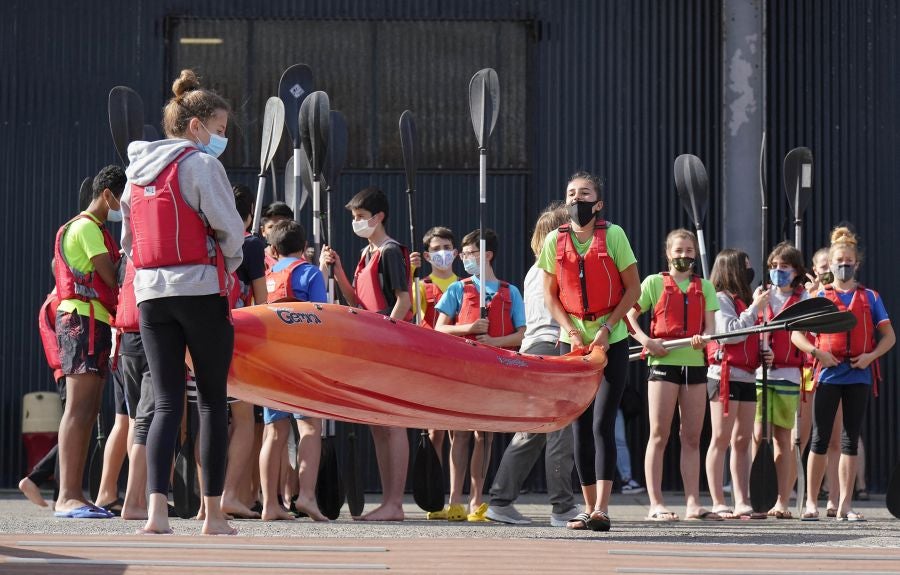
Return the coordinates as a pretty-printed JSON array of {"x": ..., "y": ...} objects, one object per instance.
[
  {"x": 779, "y": 514},
  {"x": 831, "y": 512},
  {"x": 662, "y": 517},
  {"x": 579, "y": 522},
  {"x": 852, "y": 517},
  {"x": 810, "y": 516},
  {"x": 599, "y": 521}
]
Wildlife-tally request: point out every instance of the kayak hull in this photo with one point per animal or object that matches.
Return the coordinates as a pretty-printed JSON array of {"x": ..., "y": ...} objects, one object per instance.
[{"x": 347, "y": 364}]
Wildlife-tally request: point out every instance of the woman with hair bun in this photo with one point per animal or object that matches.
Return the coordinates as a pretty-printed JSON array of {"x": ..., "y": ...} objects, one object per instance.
[
  {"x": 184, "y": 236},
  {"x": 846, "y": 367}
]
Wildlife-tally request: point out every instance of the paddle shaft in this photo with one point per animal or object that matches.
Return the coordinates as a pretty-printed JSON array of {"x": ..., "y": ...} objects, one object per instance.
[
  {"x": 317, "y": 215},
  {"x": 298, "y": 186},
  {"x": 482, "y": 204},
  {"x": 702, "y": 242},
  {"x": 257, "y": 210},
  {"x": 412, "y": 242}
]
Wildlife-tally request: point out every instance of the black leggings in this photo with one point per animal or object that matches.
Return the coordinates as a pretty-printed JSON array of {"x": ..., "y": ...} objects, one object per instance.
[
  {"x": 168, "y": 325},
  {"x": 855, "y": 399},
  {"x": 595, "y": 429}
]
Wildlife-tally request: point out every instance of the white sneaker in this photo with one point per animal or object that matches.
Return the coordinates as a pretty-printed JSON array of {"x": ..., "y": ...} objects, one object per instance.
[
  {"x": 560, "y": 519},
  {"x": 507, "y": 514},
  {"x": 632, "y": 487}
]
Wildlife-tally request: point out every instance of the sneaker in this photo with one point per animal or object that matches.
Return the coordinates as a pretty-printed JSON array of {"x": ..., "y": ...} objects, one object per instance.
[
  {"x": 632, "y": 487},
  {"x": 437, "y": 515},
  {"x": 560, "y": 519},
  {"x": 506, "y": 514},
  {"x": 478, "y": 516}
]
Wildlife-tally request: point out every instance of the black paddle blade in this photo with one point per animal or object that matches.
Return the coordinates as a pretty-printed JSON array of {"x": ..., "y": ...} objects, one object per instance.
[
  {"x": 892, "y": 497},
  {"x": 150, "y": 133},
  {"x": 763, "y": 479},
  {"x": 85, "y": 194},
  {"x": 315, "y": 120},
  {"x": 306, "y": 179},
  {"x": 828, "y": 322},
  {"x": 408, "y": 145},
  {"x": 329, "y": 490},
  {"x": 484, "y": 104},
  {"x": 126, "y": 119},
  {"x": 798, "y": 179},
  {"x": 184, "y": 484},
  {"x": 273, "y": 125},
  {"x": 337, "y": 150},
  {"x": 692, "y": 184},
  {"x": 428, "y": 477},
  {"x": 353, "y": 485},
  {"x": 295, "y": 85}
]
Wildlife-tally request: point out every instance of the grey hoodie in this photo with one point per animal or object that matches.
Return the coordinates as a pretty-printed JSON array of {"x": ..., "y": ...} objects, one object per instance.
[{"x": 205, "y": 187}]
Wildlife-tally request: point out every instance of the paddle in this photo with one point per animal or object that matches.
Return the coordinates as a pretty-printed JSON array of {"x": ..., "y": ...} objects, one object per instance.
[
  {"x": 315, "y": 121},
  {"x": 408, "y": 146},
  {"x": 126, "y": 119},
  {"x": 184, "y": 482},
  {"x": 295, "y": 85},
  {"x": 353, "y": 485},
  {"x": 484, "y": 106},
  {"x": 798, "y": 186},
  {"x": 428, "y": 477},
  {"x": 85, "y": 194},
  {"x": 273, "y": 124},
  {"x": 334, "y": 163},
  {"x": 95, "y": 473},
  {"x": 892, "y": 497},
  {"x": 692, "y": 184},
  {"x": 329, "y": 489}
]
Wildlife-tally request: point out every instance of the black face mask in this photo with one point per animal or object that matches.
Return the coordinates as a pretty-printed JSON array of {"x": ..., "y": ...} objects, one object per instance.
[
  {"x": 582, "y": 212},
  {"x": 682, "y": 264},
  {"x": 826, "y": 278},
  {"x": 751, "y": 273}
]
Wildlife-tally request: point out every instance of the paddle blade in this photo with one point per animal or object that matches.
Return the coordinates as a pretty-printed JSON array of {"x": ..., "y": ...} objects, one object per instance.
[
  {"x": 828, "y": 322},
  {"x": 804, "y": 308},
  {"x": 763, "y": 479},
  {"x": 408, "y": 145},
  {"x": 85, "y": 194},
  {"x": 126, "y": 119},
  {"x": 315, "y": 119},
  {"x": 798, "y": 179},
  {"x": 306, "y": 179},
  {"x": 329, "y": 490},
  {"x": 692, "y": 184},
  {"x": 273, "y": 125},
  {"x": 428, "y": 477},
  {"x": 295, "y": 85},
  {"x": 337, "y": 149},
  {"x": 150, "y": 133},
  {"x": 484, "y": 104},
  {"x": 353, "y": 485},
  {"x": 892, "y": 497}
]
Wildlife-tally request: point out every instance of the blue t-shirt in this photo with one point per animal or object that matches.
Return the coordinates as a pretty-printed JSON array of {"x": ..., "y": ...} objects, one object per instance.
[
  {"x": 306, "y": 280},
  {"x": 842, "y": 372},
  {"x": 451, "y": 301}
]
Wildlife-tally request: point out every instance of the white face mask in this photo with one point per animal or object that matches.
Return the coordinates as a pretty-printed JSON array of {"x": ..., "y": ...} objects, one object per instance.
[
  {"x": 362, "y": 228},
  {"x": 113, "y": 215},
  {"x": 442, "y": 260}
]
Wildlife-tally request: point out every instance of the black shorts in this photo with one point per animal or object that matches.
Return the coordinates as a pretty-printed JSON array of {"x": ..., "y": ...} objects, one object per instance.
[
  {"x": 679, "y": 374},
  {"x": 737, "y": 390},
  {"x": 118, "y": 381},
  {"x": 73, "y": 337},
  {"x": 136, "y": 376}
]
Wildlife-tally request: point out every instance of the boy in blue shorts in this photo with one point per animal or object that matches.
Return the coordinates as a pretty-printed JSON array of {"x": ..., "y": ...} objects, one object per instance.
[
  {"x": 459, "y": 314},
  {"x": 292, "y": 278}
]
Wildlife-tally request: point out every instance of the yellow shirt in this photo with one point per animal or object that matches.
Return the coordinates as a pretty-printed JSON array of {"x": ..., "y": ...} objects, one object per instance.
[
  {"x": 82, "y": 241},
  {"x": 441, "y": 283}
]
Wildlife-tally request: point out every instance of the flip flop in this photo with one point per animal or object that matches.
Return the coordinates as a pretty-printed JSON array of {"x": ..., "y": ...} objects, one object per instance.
[
  {"x": 599, "y": 521},
  {"x": 662, "y": 517},
  {"x": 726, "y": 513},
  {"x": 114, "y": 507},
  {"x": 84, "y": 512},
  {"x": 704, "y": 515},
  {"x": 852, "y": 517},
  {"x": 831, "y": 512},
  {"x": 778, "y": 514},
  {"x": 810, "y": 516},
  {"x": 579, "y": 522}
]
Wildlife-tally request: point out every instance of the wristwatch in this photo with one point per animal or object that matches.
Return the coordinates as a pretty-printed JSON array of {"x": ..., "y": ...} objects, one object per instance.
[
  {"x": 606, "y": 325},
  {"x": 573, "y": 332}
]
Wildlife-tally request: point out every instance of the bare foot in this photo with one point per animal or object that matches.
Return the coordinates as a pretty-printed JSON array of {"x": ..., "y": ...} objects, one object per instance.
[
  {"x": 145, "y": 531},
  {"x": 276, "y": 513},
  {"x": 239, "y": 510},
  {"x": 383, "y": 513},
  {"x": 311, "y": 509},
  {"x": 153, "y": 528},
  {"x": 135, "y": 511},
  {"x": 217, "y": 527},
  {"x": 30, "y": 490}
]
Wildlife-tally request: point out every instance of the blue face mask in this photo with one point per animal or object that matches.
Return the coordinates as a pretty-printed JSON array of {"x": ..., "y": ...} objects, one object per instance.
[
  {"x": 216, "y": 144},
  {"x": 781, "y": 278},
  {"x": 471, "y": 266}
]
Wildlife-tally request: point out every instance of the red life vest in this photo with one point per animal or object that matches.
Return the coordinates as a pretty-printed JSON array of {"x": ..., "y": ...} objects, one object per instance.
[
  {"x": 169, "y": 232},
  {"x": 590, "y": 286},
  {"x": 678, "y": 314},
  {"x": 432, "y": 296},
  {"x": 47, "y": 329},
  {"x": 499, "y": 309},
  {"x": 269, "y": 261},
  {"x": 128, "y": 318},
  {"x": 73, "y": 284},
  {"x": 786, "y": 353},
  {"x": 278, "y": 284},
  {"x": 744, "y": 355},
  {"x": 368, "y": 280},
  {"x": 849, "y": 344}
]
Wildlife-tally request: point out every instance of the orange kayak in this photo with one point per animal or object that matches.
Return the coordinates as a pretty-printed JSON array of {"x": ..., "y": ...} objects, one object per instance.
[{"x": 341, "y": 363}]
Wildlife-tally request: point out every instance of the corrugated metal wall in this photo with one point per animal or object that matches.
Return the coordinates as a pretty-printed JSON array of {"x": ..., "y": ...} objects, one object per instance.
[{"x": 620, "y": 88}]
